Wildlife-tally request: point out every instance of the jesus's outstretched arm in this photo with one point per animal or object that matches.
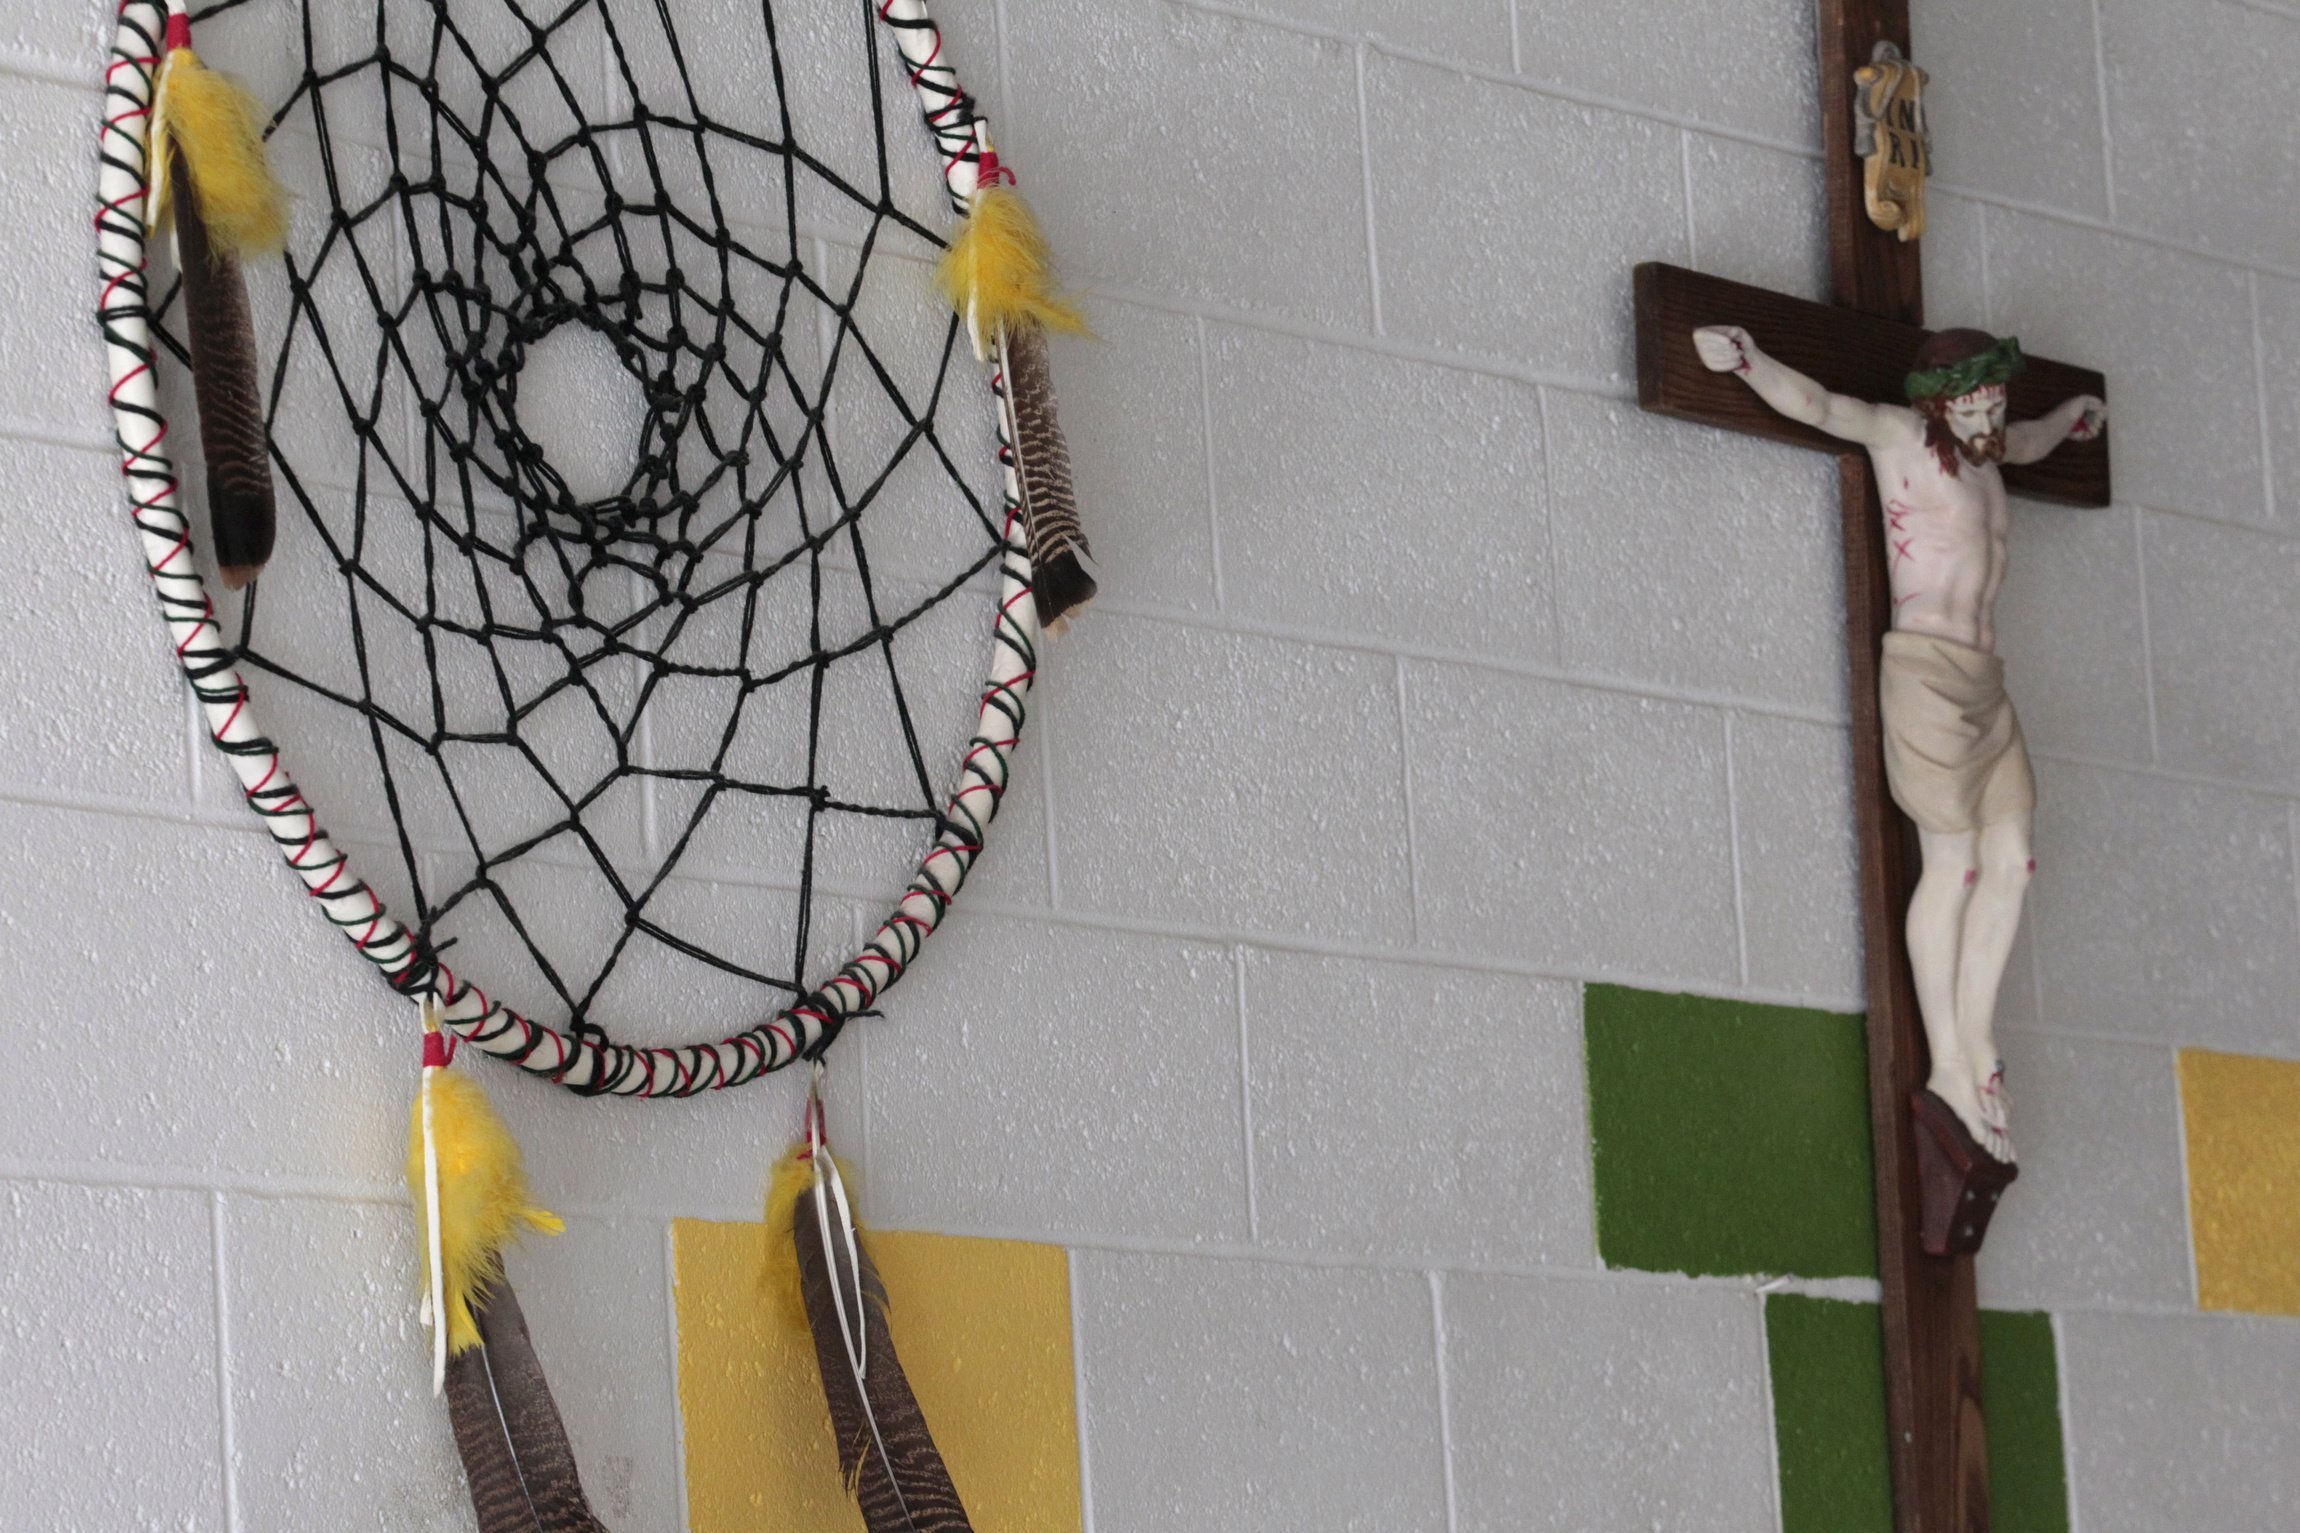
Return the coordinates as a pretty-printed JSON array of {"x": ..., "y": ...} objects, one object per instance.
[
  {"x": 1728, "y": 349},
  {"x": 2077, "y": 419}
]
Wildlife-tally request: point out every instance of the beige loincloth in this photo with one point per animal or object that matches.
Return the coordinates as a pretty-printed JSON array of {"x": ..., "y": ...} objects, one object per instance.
[{"x": 1953, "y": 749}]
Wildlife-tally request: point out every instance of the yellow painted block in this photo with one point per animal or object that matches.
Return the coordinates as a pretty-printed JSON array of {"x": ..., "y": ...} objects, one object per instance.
[
  {"x": 983, "y": 1331},
  {"x": 2243, "y": 1118}
]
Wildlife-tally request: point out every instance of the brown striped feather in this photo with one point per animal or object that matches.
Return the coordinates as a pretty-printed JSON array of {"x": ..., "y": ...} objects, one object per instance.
[
  {"x": 242, "y": 515},
  {"x": 516, "y": 1456},
  {"x": 906, "y": 1489},
  {"x": 1042, "y": 464}
]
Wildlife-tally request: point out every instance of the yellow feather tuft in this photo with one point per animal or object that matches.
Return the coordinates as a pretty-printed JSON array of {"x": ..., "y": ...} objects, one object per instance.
[
  {"x": 998, "y": 273},
  {"x": 218, "y": 128},
  {"x": 483, "y": 1196},
  {"x": 794, "y": 1178}
]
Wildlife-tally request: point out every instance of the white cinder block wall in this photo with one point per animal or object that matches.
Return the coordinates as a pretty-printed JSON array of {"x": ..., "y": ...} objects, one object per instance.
[{"x": 1431, "y": 680}]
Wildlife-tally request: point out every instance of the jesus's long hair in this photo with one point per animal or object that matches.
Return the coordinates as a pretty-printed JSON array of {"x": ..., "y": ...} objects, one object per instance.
[{"x": 1945, "y": 348}]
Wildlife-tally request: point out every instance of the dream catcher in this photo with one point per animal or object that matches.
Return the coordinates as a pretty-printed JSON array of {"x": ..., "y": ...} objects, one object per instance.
[{"x": 580, "y": 660}]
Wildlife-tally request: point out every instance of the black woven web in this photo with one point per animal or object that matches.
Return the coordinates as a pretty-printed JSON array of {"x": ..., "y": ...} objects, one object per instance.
[{"x": 576, "y": 718}]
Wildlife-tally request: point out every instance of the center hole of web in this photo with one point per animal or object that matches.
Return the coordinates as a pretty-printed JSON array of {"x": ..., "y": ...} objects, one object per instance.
[{"x": 582, "y": 407}]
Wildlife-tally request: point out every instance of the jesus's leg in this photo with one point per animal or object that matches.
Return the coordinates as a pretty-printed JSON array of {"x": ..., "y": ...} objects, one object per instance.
[
  {"x": 1992, "y": 917},
  {"x": 1936, "y": 934}
]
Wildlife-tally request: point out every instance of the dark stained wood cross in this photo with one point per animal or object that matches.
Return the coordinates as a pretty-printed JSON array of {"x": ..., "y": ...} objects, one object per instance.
[{"x": 1862, "y": 345}]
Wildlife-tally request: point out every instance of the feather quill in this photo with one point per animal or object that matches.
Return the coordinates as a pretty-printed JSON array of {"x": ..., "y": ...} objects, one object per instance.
[
  {"x": 997, "y": 272},
  {"x": 243, "y": 515},
  {"x": 484, "y": 1202},
  {"x": 516, "y": 1456},
  {"x": 210, "y": 175},
  {"x": 891, "y": 1464},
  {"x": 1042, "y": 467}
]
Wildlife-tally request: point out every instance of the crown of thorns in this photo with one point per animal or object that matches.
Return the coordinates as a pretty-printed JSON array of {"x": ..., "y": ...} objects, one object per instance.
[{"x": 1981, "y": 370}]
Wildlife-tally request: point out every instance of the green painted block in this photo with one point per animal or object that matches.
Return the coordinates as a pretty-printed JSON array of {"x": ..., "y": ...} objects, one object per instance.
[
  {"x": 1828, "y": 1365},
  {"x": 1728, "y": 1137},
  {"x": 2020, "y": 1396}
]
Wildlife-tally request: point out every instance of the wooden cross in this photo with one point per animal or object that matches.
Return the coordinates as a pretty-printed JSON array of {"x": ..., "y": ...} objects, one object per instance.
[{"x": 1862, "y": 345}]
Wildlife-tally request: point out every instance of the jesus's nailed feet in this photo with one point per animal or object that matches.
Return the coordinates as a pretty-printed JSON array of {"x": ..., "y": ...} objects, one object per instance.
[{"x": 1959, "y": 1181}]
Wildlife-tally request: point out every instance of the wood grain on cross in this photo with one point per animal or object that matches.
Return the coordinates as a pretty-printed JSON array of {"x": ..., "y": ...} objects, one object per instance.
[{"x": 1862, "y": 345}]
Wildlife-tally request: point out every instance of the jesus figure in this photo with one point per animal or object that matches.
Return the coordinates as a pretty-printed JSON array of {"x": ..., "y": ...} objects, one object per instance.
[{"x": 1953, "y": 750}]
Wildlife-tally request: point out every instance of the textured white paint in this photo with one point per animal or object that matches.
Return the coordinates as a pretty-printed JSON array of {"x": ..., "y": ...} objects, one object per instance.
[
  {"x": 1226, "y": 1394},
  {"x": 2224, "y": 633},
  {"x": 984, "y": 1121},
  {"x": 2182, "y": 436},
  {"x": 2165, "y": 909},
  {"x": 107, "y": 1360},
  {"x": 2069, "y": 627},
  {"x": 1476, "y": 260},
  {"x": 1800, "y": 896},
  {"x": 2180, "y": 1422},
  {"x": 1212, "y": 195},
  {"x": 2014, "y": 74},
  {"x": 2192, "y": 90},
  {"x": 1672, "y": 545},
  {"x": 1564, "y": 826},
  {"x": 2101, "y": 1206},
  {"x": 1615, "y": 1407},
  {"x": 1400, "y": 1109},
  {"x": 1315, "y": 505}
]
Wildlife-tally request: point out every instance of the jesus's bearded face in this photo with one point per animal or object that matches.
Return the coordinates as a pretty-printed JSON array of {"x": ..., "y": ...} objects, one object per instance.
[{"x": 1977, "y": 421}]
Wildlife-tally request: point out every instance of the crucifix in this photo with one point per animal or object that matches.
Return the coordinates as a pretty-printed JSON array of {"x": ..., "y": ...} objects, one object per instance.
[{"x": 1930, "y": 429}]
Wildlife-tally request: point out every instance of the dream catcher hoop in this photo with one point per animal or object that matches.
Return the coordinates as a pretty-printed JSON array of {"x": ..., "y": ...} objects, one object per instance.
[
  {"x": 478, "y": 329},
  {"x": 550, "y": 694}
]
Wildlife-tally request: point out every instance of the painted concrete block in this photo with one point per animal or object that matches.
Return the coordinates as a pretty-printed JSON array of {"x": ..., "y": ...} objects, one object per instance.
[
  {"x": 2176, "y": 346},
  {"x": 1137, "y": 124},
  {"x": 1828, "y": 1375},
  {"x": 56, "y": 379},
  {"x": 1476, "y": 32},
  {"x": 1956, "y": 262},
  {"x": 1728, "y": 1137},
  {"x": 1470, "y": 262},
  {"x": 1419, "y": 1114},
  {"x": 1134, "y": 409},
  {"x": 97, "y": 701},
  {"x": 2188, "y": 90},
  {"x": 62, "y": 39},
  {"x": 2279, "y": 306},
  {"x": 2098, "y": 1215},
  {"x": 111, "y": 1414},
  {"x": 1288, "y": 755},
  {"x": 2241, "y": 1118},
  {"x": 983, "y": 1331},
  {"x": 1737, "y": 540},
  {"x": 1560, "y": 825},
  {"x": 1606, "y": 1406},
  {"x": 1326, "y": 524},
  {"x": 1800, "y": 892},
  {"x": 328, "y": 1352},
  {"x": 1312, "y": 1396},
  {"x": 2069, "y": 626},
  {"x": 2164, "y": 908},
  {"x": 1759, "y": 214},
  {"x": 2225, "y": 638},
  {"x": 238, "y": 1031},
  {"x": 2179, "y": 1422},
  {"x": 613, "y": 1381},
  {"x": 1013, "y": 1044},
  {"x": 1748, "y": 66},
  {"x": 2008, "y": 78}
]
